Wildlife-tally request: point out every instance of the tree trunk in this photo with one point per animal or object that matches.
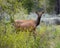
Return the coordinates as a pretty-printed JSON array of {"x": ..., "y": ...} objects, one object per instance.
[{"x": 57, "y": 7}]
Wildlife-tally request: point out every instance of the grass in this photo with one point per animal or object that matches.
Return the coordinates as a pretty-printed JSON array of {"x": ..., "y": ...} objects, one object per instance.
[{"x": 48, "y": 37}]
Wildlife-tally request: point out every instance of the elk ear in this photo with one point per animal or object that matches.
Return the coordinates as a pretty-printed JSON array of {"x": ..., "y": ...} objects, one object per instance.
[
  {"x": 42, "y": 12},
  {"x": 37, "y": 13}
]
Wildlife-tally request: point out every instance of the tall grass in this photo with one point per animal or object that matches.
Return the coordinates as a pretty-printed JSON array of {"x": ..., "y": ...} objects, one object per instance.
[{"x": 47, "y": 37}]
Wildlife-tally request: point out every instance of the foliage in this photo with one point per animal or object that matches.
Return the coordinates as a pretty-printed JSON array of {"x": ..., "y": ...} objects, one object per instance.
[
  {"x": 46, "y": 37},
  {"x": 28, "y": 4},
  {"x": 10, "y": 39},
  {"x": 51, "y": 7}
]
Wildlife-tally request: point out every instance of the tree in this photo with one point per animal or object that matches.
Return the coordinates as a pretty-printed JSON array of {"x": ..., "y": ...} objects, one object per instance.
[
  {"x": 54, "y": 6},
  {"x": 28, "y": 4},
  {"x": 57, "y": 7},
  {"x": 51, "y": 6}
]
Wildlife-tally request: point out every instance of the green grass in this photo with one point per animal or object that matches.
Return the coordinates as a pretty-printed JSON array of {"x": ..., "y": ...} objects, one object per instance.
[{"x": 48, "y": 36}]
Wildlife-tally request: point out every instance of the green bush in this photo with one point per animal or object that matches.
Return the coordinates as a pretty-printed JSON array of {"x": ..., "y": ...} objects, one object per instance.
[{"x": 10, "y": 39}]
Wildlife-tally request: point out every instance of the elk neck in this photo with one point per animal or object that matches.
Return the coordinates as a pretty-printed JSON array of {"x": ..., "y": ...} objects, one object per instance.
[{"x": 38, "y": 20}]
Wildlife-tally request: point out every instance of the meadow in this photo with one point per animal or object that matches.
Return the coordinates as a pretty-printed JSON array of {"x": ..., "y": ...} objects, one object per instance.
[{"x": 48, "y": 36}]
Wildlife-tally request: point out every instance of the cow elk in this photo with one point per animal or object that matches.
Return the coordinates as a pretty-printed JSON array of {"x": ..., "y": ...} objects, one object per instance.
[{"x": 30, "y": 25}]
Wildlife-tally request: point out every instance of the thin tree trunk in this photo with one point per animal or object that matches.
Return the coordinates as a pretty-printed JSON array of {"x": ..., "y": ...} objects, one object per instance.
[{"x": 57, "y": 8}]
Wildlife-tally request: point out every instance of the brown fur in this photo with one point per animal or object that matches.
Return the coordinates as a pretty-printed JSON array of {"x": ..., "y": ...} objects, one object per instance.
[
  {"x": 25, "y": 24},
  {"x": 28, "y": 24}
]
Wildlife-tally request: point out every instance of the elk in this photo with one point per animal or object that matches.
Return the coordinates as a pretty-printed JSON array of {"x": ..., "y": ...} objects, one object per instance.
[{"x": 29, "y": 25}]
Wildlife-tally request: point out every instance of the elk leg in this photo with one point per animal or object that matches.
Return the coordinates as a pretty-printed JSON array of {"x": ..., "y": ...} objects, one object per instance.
[{"x": 34, "y": 34}]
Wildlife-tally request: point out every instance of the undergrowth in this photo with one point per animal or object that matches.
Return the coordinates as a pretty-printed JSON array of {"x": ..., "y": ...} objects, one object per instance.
[{"x": 46, "y": 37}]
